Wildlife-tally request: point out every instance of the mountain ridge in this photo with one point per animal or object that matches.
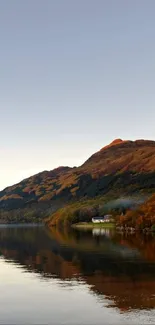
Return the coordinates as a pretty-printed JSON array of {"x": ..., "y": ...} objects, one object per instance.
[{"x": 123, "y": 167}]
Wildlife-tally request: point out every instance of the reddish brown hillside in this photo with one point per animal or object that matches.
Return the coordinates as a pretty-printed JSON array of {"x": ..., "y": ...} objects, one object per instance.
[
  {"x": 121, "y": 168},
  {"x": 120, "y": 156}
]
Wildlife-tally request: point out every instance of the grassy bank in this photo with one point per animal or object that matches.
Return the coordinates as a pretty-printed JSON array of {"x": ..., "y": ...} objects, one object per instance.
[{"x": 91, "y": 225}]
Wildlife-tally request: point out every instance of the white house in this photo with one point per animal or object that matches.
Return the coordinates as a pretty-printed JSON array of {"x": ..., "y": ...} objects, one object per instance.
[{"x": 106, "y": 218}]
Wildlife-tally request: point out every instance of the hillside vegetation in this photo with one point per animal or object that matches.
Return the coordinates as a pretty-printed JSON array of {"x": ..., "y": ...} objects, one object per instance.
[
  {"x": 142, "y": 218},
  {"x": 123, "y": 168}
]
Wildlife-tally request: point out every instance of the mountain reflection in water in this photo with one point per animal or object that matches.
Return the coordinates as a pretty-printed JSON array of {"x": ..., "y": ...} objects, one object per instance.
[{"x": 118, "y": 267}]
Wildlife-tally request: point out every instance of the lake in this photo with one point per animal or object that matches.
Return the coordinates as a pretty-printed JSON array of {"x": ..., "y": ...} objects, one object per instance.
[{"x": 76, "y": 277}]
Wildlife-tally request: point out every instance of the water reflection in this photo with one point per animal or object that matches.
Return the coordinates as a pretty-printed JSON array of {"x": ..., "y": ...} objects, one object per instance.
[
  {"x": 118, "y": 267},
  {"x": 102, "y": 232}
]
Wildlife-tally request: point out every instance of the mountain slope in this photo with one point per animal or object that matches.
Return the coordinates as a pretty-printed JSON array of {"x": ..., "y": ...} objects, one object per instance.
[{"x": 121, "y": 168}]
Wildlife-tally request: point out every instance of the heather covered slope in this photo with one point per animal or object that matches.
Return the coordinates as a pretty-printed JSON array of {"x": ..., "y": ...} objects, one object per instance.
[
  {"x": 121, "y": 168},
  {"x": 121, "y": 156},
  {"x": 38, "y": 188}
]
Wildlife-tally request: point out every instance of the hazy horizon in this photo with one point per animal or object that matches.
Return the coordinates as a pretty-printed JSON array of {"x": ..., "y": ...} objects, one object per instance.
[{"x": 75, "y": 75}]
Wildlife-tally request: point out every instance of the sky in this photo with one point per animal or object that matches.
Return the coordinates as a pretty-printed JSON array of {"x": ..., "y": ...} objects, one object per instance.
[{"x": 74, "y": 75}]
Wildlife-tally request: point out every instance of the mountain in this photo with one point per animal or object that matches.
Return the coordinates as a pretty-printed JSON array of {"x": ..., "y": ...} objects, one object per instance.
[{"x": 122, "y": 168}]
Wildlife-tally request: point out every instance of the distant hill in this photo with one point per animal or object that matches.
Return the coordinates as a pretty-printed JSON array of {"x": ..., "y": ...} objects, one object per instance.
[{"x": 122, "y": 168}]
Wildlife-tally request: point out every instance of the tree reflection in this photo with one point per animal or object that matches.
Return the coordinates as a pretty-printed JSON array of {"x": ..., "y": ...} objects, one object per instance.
[{"x": 119, "y": 267}]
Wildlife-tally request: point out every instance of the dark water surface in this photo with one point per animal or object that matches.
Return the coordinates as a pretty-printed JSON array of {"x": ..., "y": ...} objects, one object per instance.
[{"x": 76, "y": 277}]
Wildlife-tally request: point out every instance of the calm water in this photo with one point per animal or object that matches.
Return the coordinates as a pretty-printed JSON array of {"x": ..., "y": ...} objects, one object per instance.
[{"x": 75, "y": 277}]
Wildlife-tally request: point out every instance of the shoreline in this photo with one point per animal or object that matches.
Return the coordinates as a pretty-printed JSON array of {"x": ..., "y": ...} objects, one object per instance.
[
  {"x": 88, "y": 225},
  {"x": 124, "y": 230}
]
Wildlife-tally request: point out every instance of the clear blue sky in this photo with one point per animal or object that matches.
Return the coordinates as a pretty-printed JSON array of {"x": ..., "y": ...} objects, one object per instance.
[{"x": 74, "y": 75}]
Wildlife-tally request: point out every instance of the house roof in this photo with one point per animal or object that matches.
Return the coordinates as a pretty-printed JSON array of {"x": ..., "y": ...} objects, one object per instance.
[
  {"x": 107, "y": 216},
  {"x": 102, "y": 217},
  {"x": 98, "y": 218}
]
